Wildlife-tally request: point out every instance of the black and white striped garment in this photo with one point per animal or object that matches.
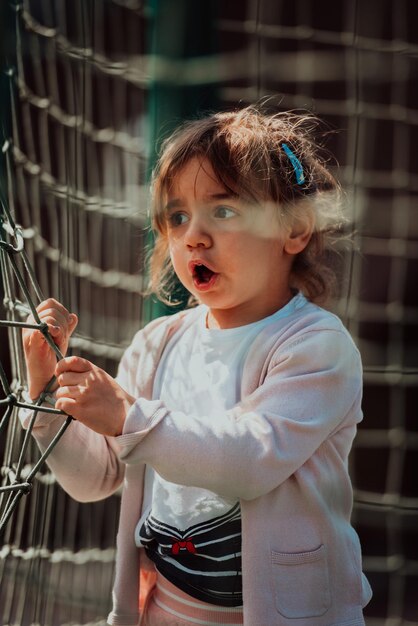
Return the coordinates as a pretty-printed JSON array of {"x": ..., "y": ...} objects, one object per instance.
[{"x": 204, "y": 560}]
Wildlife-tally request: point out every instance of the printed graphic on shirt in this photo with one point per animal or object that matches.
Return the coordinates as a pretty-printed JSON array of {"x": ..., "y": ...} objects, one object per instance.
[{"x": 204, "y": 560}]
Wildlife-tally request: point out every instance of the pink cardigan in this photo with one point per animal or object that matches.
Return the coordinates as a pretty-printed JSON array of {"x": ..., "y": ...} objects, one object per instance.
[{"x": 282, "y": 450}]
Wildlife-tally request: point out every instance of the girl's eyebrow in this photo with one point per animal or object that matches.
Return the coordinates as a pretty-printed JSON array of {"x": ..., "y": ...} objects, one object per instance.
[
  {"x": 178, "y": 202},
  {"x": 173, "y": 204},
  {"x": 226, "y": 195}
]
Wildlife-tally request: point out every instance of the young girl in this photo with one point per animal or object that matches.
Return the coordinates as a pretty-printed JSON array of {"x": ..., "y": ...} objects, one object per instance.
[{"x": 230, "y": 423}]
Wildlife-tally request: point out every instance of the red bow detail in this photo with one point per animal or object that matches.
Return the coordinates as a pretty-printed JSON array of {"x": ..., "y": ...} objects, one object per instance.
[{"x": 181, "y": 546}]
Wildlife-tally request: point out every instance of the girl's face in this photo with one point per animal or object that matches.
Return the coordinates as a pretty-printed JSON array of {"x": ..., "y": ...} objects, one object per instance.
[{"x": 231, "y": 256}]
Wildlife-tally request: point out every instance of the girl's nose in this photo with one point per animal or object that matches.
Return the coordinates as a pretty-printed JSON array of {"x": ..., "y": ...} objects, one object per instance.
[{"x": 197, "y": 235}]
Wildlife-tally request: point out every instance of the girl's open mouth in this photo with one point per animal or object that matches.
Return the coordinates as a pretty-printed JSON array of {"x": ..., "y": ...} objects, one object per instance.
[{"x": 203, "y": 276}]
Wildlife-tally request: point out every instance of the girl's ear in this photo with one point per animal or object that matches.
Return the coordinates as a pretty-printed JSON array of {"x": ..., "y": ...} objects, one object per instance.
[{"x": 298, "y": 238}]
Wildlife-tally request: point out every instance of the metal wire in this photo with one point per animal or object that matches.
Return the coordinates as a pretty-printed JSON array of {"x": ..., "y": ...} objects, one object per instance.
[{"x": 13, "y": 401}]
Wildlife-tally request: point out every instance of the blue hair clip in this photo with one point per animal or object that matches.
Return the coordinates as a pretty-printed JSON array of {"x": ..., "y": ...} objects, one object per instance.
[{"x": 296, "y": 164}]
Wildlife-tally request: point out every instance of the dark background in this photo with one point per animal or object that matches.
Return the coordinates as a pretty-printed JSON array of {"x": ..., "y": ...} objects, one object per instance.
[{"x": 94, "y": 87}]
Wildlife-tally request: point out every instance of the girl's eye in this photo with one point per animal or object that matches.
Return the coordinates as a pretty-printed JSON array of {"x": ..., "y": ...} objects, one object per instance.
[
  {"x": 224, "y": 212},
  {"x": 177, "y": 219}
]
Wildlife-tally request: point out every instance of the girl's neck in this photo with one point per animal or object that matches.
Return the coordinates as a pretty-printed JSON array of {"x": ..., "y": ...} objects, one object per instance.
[{"x": 233, "y": 318}]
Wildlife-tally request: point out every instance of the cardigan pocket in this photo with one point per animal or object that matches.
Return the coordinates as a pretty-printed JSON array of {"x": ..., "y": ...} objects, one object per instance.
[{"x": 301, "y": 583}]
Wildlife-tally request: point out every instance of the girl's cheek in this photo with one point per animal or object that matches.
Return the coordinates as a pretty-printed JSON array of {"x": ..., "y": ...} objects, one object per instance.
[
  {"x": 172, "y": 249},
  {"x": 174, "y": 258},
  {"x": 173, "y": 238},
  {"x": 175, "y": 245}
]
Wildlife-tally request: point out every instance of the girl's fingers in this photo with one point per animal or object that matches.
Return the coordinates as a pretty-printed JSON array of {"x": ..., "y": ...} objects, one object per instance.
[
  {"x": 58, "y": 328},
  {"x": 54, "y": 305},
  {"x": 66, "y": 404},
  {"x": 65, "y": 392},
  {"x": 69, "y": 379},
  {"x": 56, "y": 315},
  {"x": 55, "y": 331},
  {"x": 72, "y": 392},
  {"x": 73, "y": 321},
  {"x": 51, "y": 316},
  {"x": 53, "y": 312},
  {"x": 72, "y": 364}
]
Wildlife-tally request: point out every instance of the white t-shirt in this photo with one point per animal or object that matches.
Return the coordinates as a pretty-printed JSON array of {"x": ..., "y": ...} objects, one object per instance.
[{"x": 199, "y": 373}]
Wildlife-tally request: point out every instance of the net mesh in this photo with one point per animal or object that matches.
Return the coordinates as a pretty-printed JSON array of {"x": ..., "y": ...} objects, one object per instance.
[
  {"x": 79, "y": 83},
  {"x": 75, "y": 179}
]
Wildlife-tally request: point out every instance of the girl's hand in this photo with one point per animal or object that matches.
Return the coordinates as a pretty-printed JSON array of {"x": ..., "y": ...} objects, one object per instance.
[
  {"x": 40, "y": 358},
  {"x": 90, "y": 395}
]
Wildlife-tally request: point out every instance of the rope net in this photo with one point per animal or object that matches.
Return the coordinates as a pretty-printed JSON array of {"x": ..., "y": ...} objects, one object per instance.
[
  {"x": 80, "y": 88},
  {"x": 75, "y": 173}
]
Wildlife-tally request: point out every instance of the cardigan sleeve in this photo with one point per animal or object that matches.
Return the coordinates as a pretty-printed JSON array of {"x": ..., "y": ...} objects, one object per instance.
[
  {"x": 85, "y": 463},
  {"x": 311, "y": 389}
]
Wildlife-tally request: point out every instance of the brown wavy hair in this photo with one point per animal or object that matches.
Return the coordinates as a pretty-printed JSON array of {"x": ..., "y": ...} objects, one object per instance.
[{"x": 245, "y": 150}]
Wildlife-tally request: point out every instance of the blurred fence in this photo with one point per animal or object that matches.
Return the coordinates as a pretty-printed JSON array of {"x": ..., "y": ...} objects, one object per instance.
[{"x": 87, "y": 89}]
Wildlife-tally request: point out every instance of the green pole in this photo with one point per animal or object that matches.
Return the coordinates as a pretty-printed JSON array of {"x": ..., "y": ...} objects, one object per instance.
[{"x": 181, "y": 31}]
